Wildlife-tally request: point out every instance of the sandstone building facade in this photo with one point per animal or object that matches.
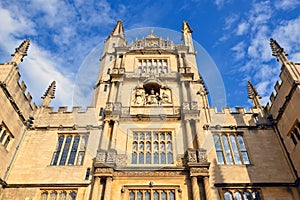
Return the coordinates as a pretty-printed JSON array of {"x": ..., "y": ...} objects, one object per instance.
[{"x": 150, "y": 133}]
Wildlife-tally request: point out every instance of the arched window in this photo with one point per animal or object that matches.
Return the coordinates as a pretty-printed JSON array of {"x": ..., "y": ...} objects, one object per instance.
[
  {"x": 237, "y": 196},
  {"x": 163, "y": 158},
  {"x": 227, "y": 196},
  {"x": 131, "y": 196},
  {"x": 139, "y": 196},
  {"x": 247, "y": 196},
  {"x": 44, "y": 196},
  {"x": 163, "y": 196},
  {"x": 171, "y": 195},
  {"x": 148, "y": 158},
  {"x": 53, "y": 195},
  {"x": 156, "y": 196},
  {"x": 63, "y": 196},
  {"x": 147, "y": 195},
  {"x": 72, "y": 196}
]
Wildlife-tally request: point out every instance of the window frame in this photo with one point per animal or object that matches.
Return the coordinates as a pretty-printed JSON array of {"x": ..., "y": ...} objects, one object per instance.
[
  {"x": 168, "y": 142},
  {"x": 57, "y": 155},
  {"x": 228, "y": 135}
]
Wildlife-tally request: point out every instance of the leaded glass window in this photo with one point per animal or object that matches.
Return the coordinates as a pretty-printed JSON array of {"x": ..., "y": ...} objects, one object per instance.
[
  {"x": 70, "y": 148},
  {"x": 241, "y": 194},
  {"x": 152, "y": 147},
  {"x": 152, "y": 194},
  {"x": 231, "y": 149}
]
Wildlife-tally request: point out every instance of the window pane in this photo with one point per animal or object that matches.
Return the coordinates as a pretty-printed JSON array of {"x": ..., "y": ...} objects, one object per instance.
[
  {"x": 135, "y": 136},
  {"x": 220, "y": 157},
  {"x": 141, "y": 158},
  {"x": 148, "y": 158},
  {"x": 227, "y": 196},
  {"x": 141, "y": 146},
  {"x": 65, "y": 151},
  {"x": 56, "y": 153},
  {"x": 235, "y": 150},
  {"x": 169, "y": 146},
  {"x": 142, "y": 136},
  {"x": 156, "y": 196},
  {"x": 72, "y": 196},
  {"x": 227, "y": 150},
  {"x": 44, "y": 196},
  {"x": 163, "y": 196},
  {"x": 73, "y": 151},
  {"x": 133, "y": 159},
  {"x": 237, "y": 196},
  {"x": 148, "y": 146},
  {"x": 162, "y": 146},
  {"x": 241, "y": 143},
  {"x": 217, "y": 142},
  {"x": 53, "y": 196},
  {"x": 170, "y": 158},
  {"x": 256, "y": 195},
  {"x": 140, "y": 196},
  {"x": 131, "y": 196},
  {"x": 155, "y": 158},
  {"x": 171, "y": 196},
  {"x": 245, "y": 158},
  {"x": 134, "y": 146},
  {"x": 147, "y": 196},
  {"x": 162, "y": 158},
  {"x": 155, "y": 146},
  {"x": 162, "y": 136},
  {"x": 62, "y": 196},
  {"x": 247, "y": 196}
]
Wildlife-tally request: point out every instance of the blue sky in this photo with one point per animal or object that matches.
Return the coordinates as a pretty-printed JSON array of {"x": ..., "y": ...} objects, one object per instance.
[{"x": 235, "y": 33}]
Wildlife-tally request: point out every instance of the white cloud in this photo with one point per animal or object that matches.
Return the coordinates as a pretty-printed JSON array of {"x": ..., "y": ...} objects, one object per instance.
[
  {"x": 242, "y": 28},
  {"x": 286, "y": 4},
  {"x": 239, "y": 50},
  {"x": 221, "y": 3}
]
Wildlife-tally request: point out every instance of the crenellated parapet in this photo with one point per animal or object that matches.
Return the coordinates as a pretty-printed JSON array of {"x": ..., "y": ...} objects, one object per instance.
[{"x": 238, "y": 117}]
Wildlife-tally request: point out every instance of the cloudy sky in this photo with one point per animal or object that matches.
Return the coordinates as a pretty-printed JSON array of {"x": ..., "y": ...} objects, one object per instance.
[{"x": 235, "y": 33}]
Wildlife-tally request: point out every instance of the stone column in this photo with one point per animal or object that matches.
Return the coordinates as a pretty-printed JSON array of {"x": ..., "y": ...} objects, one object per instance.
[
  {"x": 104, "y": 139},
  {"x": 114, "y": 135},
  {"x": 120, "y": 84},
  {"x": 184, "y": 94},
  {"x": 107, "y": 191},
  {"x": 111, "y": 94},
  {"x": 195, "y": 188},
  {"x": 189, "y": 134},
  {"x": 96, "y": 188},
  {"x": 207, "y": 188}
]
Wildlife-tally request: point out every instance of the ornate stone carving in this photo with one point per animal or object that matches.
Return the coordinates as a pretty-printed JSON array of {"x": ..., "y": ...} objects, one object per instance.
[
  {"x": 101, "y": 156},
  {"x": 111, "y": 156},
  {"x": 185, "y": 106},
  {"x": 191, "y": 155},
  {"x": 194, "y": 105},
  {"x": 121, "y": 160},
  {"x": 149, "y": 173},
  {"x": 202, "y": 156},
  {"x": 144, "y": 95},
  {"x": 125, "y": 111},
  {"x": 109, "y": 107}
]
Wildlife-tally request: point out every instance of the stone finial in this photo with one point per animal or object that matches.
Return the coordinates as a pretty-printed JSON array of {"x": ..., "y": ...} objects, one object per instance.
[
  {"x": 49, "y": 94},
  {"x": 118, "y": 30},
  {"x": 253, "y": 95},
  {"x": 186, "y": 27},
  {"x": 278, "y": 51},
  {"x": 20, "y": 52}
]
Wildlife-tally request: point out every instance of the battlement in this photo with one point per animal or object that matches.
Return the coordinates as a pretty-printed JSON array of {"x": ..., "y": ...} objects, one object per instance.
[
  {"x": 69, "y": 110},
  {"x": 234, "y": 111}
]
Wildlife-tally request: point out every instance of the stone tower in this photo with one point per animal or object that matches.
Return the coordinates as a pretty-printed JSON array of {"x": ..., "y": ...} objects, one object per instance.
[{"x": 150, "y": 133}]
